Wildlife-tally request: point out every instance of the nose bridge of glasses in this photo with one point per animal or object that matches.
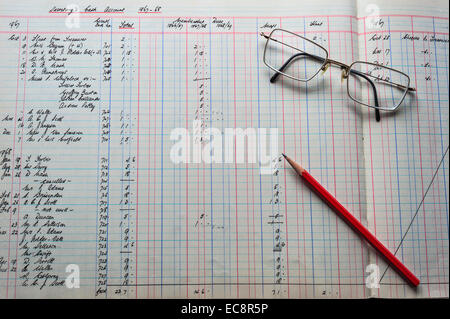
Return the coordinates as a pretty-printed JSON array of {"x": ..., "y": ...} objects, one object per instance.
[{"x": 344, "y": 67}]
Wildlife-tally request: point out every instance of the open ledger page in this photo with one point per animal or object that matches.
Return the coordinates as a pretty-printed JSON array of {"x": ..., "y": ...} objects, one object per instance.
[
  {"x": 96, "y": 201},
  {"x": 406, "y": 153}
]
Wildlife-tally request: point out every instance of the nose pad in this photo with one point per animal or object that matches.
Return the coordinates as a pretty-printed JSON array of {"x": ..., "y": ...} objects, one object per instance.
[
  {"x": 344, "y": 75},
  {"x": 325, "y": 68}
]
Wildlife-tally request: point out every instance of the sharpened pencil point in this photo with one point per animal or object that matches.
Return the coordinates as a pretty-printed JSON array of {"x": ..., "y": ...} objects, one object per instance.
[{"x": 294, "y": 165}]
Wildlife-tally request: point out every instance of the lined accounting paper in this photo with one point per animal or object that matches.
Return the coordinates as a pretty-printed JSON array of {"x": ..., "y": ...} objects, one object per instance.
[{"x": 93, "y": 204}]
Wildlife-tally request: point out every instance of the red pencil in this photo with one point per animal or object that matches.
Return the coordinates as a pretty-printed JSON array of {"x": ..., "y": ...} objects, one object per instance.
[{"x": 354, "y": 223}]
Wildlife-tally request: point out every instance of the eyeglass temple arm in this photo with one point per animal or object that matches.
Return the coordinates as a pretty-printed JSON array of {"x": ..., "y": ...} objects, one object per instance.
[
  {"x": 375, "y": 94},
  {"x": 281, "y": 69}
]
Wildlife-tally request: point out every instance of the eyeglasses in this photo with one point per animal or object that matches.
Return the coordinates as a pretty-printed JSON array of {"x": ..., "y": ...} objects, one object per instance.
[{"x": 301, "y": 59}]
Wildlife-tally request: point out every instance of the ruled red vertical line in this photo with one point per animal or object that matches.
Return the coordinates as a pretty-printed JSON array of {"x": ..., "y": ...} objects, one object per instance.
[
  {"x": 187, "y": 170},
  {"x": 244, "y": 44},
  {"x": 12, "y": 162},
  {"x": 155, "y": 152},
  {"x": 295, "y": 152},
  {"x": 21, "y": 155},
  {"x": 302, "y": 196},
  {"x": 388, "y": 161},
  {"x": 303, "y": 212},
  {"x": 137, "y": 156},
  {"x": 430, "y": 144},
  {"x": 285, "y": 188},
  {"x": 387, "y": 124},
  {"x": 252, "y": 172},
  {"x": 235, "y": 165},
  {"x": 370, "y": 141},
  {"x": 351, "y": 158},
  {"x": 345, "y": 161},
  {"x": 334, "y": 159},
  {"x": 369, "y": 115},
  {"x": 390, "y": 168},
  {"x": 357, "y": 162},
  {"x": 148, "y": 158},
  {"x": 386, "y": 221},
  {"x": 437, "y": 177},
  {"x": 420, "y": 157},
  {"x": 301, "y": 187}
]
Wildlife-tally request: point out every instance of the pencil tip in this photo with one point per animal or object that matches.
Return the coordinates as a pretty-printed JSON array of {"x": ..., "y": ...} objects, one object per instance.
[{"x": 295, "y": 165}]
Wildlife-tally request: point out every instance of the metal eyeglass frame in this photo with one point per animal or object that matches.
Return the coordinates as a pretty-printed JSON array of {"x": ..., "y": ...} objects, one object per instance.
[{"x": 346, "y": 70}]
